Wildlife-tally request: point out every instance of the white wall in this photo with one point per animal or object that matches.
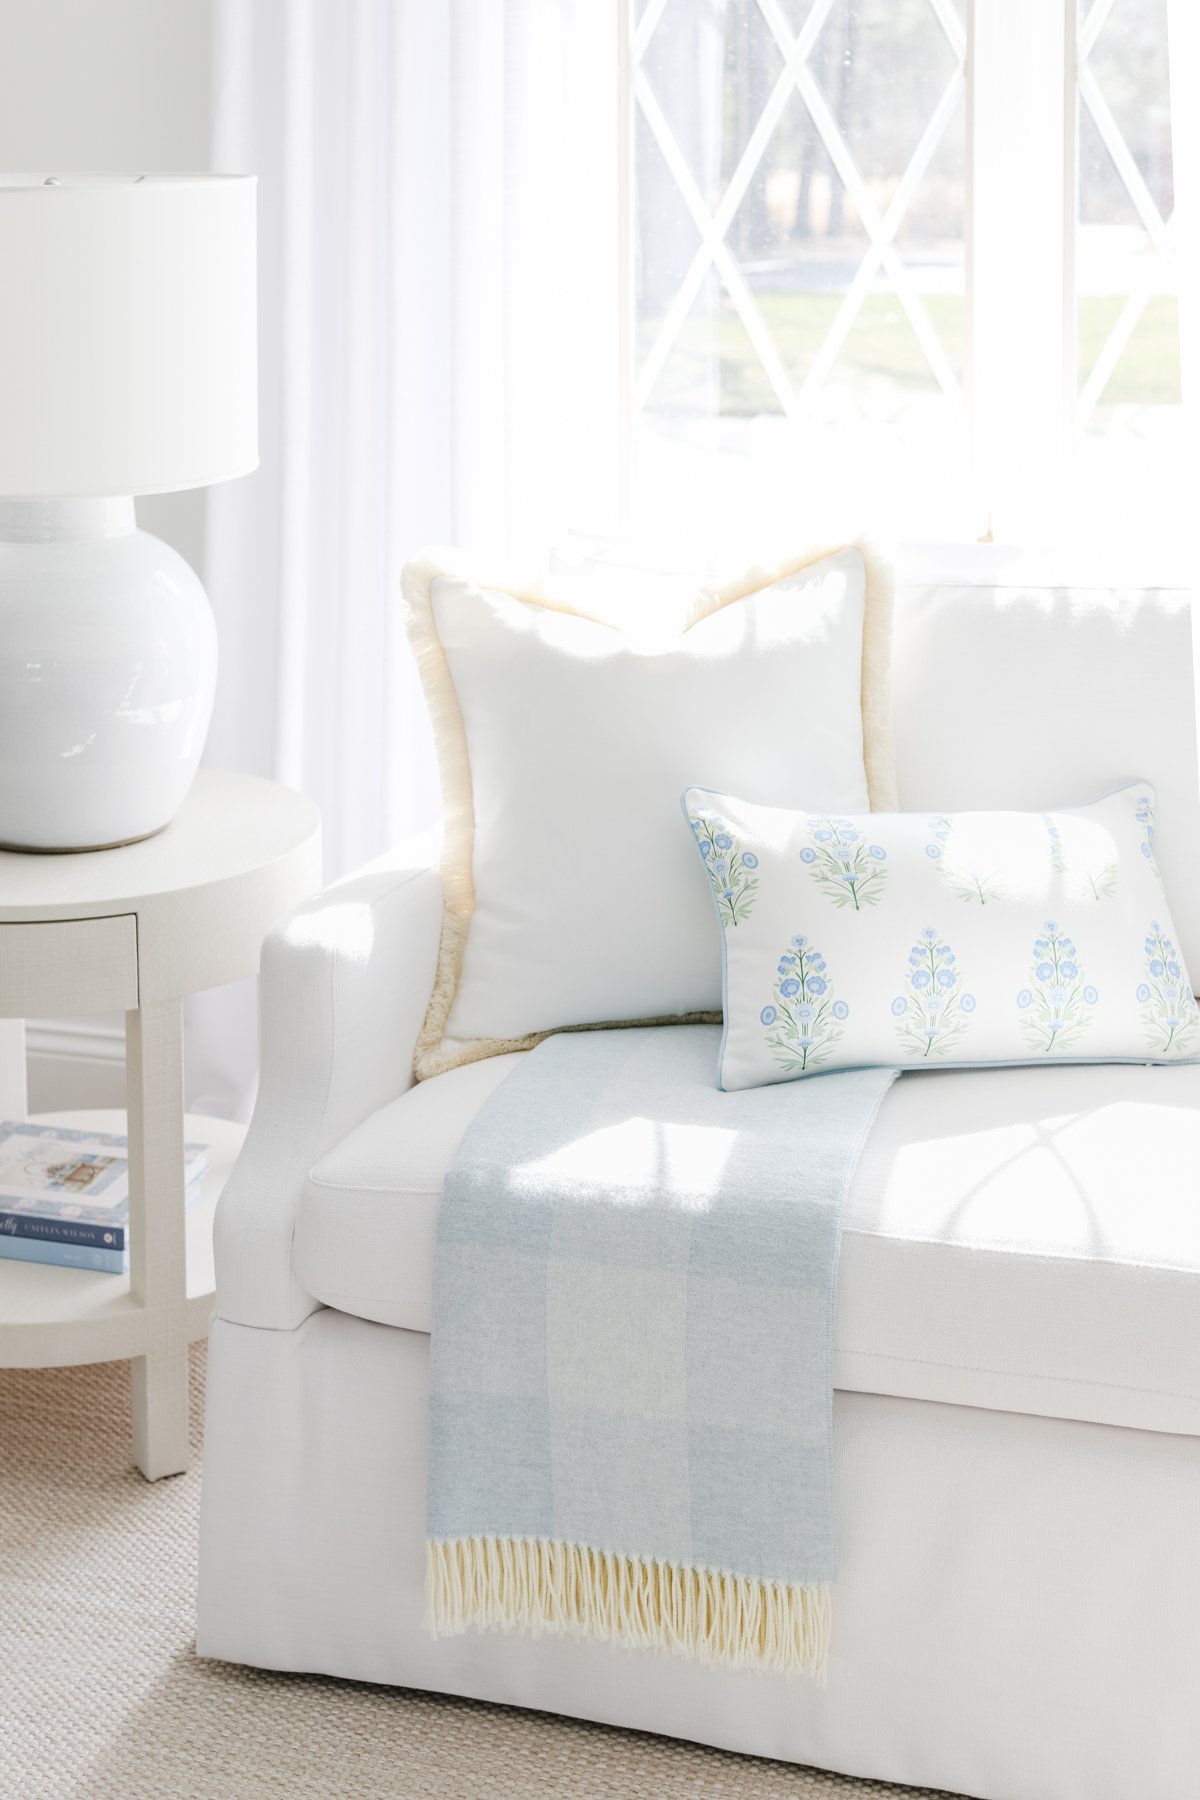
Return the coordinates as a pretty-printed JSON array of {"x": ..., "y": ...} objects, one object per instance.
[{"x": 104, "y": 85}]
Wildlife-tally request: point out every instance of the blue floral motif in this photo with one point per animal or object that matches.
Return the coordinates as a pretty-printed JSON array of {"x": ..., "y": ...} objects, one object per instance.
[
  {"x": 1171, "y": 1014},
  {"x": 730, "y": 869},
  {"x": 961, "y": 875},
  {"x": 1057, "y": 1007},
  {"x": 1145, "y": 818},
  {"x": 932, "y": 1013},
  {"x": 1095, "y": 881},
  {"x": 845, "y": 868},
  {"x": 804, "y": 1024}
]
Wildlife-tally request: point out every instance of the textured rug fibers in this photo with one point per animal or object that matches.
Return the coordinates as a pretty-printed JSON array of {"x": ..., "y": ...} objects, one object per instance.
[{"x": 102, "y": 1696}]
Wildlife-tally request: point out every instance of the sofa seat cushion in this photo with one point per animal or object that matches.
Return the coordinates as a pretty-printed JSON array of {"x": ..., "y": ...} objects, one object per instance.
[{"x": 1022, "y": 1239}]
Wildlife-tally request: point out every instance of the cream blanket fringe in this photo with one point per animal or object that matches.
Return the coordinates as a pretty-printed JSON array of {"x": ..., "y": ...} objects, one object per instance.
[{"x": 531, "y": 1584}]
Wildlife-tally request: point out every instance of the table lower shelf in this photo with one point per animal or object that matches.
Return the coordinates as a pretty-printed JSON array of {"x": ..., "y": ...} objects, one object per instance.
[{"x": 51, "y": 1317}]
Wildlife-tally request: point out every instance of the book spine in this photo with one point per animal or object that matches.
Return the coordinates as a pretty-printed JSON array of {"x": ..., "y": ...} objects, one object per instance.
[
  {"x": 67, "y": 1256},
  {"x": 63, "y": 1231}
]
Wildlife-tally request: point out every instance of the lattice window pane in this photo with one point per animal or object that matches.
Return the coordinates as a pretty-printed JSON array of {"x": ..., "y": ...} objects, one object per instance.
[
  {"x": 802, "y": 172},
  {"x": 1126, "y": 319},
  {"x": 815, "y": 151},
  {"x": 711, "y": 67},
  {"x": 882, "y": 66}
]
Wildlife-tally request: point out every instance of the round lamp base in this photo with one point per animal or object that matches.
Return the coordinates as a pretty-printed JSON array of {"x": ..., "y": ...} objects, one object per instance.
[
  {"x": 77, "y": 849},
  {"x": 108, "y": 659}
]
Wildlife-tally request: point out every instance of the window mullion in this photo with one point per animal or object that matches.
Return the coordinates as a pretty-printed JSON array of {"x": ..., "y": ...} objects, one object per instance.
[{"x": 1020, "y": 143}]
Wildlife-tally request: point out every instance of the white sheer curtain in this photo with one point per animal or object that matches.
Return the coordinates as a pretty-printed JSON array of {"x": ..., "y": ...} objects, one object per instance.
[
  {"x": 1183, "y": 25},
  {"x": 439, "y": 316}
]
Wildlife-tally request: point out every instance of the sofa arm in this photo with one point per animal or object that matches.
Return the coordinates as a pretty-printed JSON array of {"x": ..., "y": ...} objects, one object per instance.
[{"x": 343, "y": 990}]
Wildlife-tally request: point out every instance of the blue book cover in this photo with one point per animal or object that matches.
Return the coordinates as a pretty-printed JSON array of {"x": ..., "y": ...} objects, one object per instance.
[
  {"x": 71, "y": 1186},
  {"x": 69, "y": 1256},
  {"x": 63, "y": 1231}
]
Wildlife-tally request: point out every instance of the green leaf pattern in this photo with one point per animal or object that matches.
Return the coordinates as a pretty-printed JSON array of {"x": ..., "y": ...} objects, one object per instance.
[
  {"x": 1057, "y": 1005},
  {"x": 933, "y": 1012},
  {"x": 961, "y": 872},
  {"x": 1083, "y": 879},
  {"x": 804, "y": 1020},
  {"x": 843, "y": 864},
  {"x": 1170, "y": 1014},
  {"x": 730, "y": 869}
]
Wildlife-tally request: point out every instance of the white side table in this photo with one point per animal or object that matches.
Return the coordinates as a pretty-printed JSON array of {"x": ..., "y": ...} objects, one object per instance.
[{"x": 134, "y": 930}]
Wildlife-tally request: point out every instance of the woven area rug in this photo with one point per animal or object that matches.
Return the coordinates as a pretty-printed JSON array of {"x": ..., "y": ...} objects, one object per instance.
[{"x": 102, "y": 1696}]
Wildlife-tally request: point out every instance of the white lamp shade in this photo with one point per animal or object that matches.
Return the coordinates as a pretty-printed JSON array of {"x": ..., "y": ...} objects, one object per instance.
[{"x": 127, "y": 333}]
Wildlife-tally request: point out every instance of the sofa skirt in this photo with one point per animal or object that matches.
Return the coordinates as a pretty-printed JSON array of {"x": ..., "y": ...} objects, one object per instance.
[{"x": 1017, "y": 1615}]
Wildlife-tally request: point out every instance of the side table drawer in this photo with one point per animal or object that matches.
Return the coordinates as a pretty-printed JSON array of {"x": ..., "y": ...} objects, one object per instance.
[{"x": 68, "y": 966}]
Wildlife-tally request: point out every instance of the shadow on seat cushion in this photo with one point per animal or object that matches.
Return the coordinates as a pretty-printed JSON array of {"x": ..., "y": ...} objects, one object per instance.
[{"x": 1022, "y": 1239}]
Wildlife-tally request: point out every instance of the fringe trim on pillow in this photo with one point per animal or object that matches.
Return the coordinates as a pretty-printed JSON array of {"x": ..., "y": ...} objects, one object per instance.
[
  {"x": 432, "y": 1056},
  {"x": 539, "y": 1586}
]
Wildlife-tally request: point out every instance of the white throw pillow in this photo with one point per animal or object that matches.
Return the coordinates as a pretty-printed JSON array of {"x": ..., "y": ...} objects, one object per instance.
[
  {"x": 925, "y": 939},
  {"x": 563, "y": 745}
]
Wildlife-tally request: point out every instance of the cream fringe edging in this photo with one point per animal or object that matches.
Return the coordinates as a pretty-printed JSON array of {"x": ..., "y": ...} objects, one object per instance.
[
  {"x": 534, "y": 1585},
  {"x": 432, "y": 1056}
]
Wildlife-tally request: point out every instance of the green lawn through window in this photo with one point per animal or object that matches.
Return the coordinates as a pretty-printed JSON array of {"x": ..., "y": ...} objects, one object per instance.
[{"x": 882, "y": 351}]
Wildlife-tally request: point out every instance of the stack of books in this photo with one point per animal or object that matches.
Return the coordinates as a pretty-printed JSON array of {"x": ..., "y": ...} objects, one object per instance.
[{"x": 64, "y": 1195}]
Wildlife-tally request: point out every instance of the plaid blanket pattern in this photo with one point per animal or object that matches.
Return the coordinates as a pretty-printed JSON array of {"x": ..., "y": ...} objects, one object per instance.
[{"x": 631, "y": 1397}]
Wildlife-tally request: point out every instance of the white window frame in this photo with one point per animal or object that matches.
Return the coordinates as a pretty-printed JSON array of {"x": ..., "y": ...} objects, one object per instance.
[{"x": 1023, "y": 65}]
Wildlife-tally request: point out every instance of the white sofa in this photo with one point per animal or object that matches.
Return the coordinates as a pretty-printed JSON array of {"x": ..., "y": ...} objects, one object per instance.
[{"x": 1017, "y": 1406}]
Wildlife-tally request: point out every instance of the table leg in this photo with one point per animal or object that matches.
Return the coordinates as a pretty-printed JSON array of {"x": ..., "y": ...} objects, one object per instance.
[
  {"x": 13, "y": 1097},
  {"x": 158, "y": 1244}
]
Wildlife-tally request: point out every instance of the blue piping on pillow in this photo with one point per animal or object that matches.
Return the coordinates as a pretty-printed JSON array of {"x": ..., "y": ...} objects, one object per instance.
[{"x": 721, "y": 1088}]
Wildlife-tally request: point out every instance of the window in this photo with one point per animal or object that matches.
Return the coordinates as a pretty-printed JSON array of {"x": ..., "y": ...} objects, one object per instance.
[{"x": 903, "y": 260}]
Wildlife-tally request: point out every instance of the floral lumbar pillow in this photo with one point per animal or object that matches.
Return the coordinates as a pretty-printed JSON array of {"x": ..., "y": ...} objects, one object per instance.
[{"x": 926, "y": 939}]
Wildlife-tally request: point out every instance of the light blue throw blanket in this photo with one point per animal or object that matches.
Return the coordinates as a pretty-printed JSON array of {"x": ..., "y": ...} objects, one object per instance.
[{"x": 631, "y": 1385}]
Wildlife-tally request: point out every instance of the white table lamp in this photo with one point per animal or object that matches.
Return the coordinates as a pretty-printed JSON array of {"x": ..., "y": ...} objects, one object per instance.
[{"x": 127, "y": 366}]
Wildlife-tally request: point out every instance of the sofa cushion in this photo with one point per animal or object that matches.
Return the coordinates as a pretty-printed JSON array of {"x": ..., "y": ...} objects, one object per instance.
[{"x": 1023, "y": 1239}]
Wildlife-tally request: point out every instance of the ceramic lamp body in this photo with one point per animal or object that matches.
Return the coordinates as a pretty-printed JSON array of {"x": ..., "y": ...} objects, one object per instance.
[
  {"x": 128, "y": 327},
  {"x": 108, "y": 661}
]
